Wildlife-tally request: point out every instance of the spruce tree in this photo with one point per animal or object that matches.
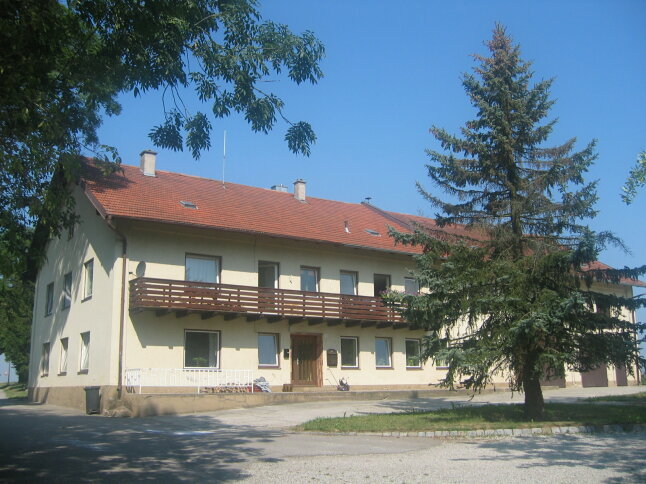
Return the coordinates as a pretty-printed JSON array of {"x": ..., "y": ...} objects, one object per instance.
[{"x": 514, "y": 290}]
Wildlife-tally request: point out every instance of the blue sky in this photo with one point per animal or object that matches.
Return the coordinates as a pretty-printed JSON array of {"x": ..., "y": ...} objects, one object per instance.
[{"x": 393, "y": 70}]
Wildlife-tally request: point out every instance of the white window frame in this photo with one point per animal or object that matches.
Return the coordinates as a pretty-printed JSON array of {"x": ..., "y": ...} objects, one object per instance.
[
  {"x": 88, "y": 279},
  {"x": 217, "y": 349},
  {"x": 264, "y": 263},
  {"x": 419, "y": 352},
  {"x": 389, "y": 284},
  {"x": 355, "y": 282},
  {"x": 216, "y": 259},
  {"x": 356, "y": 351},
  {"x": 413, "y": 281},
  {"x": 276, "y": 363},
  {"x": 66, "y": 295},
  {"x": 62, "y": 363},
  {"x": 317, "y": 274},
  {"x": 84, "y": 354},
  {"x": 49, "y": 299},
  {"x": 390, "y": 352},
  {"x": 44, "y": 359}
]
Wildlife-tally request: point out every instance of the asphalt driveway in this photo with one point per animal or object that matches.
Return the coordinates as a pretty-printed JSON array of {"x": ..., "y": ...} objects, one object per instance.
[{"x": 47, "y": 443}]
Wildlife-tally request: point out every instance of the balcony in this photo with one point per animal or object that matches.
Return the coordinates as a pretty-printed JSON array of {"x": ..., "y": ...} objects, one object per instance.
[{"x": 184, "y": 297}]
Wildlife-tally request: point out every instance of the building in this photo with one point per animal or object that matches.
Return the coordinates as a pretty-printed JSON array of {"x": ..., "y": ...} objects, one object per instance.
[{"x": 172, "y": 283}]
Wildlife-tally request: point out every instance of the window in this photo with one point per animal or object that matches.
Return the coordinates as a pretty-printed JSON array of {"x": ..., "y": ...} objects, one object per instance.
[
  {"x": 67, "y": 290},
  {"x": 267, "y": 349},
  {"x": 439, "y": 363},
  {"x": 413, "y": 353},
  {"x": 62, "y": 366},
  {"x": 88, "y": 275},
  {"x": 309, "y": 279},
  {"x": 202, "y": 268},
  {"x": 202, "y": 349},
  {"x": 382, "y": 353},
  {"x": 84, "y": 363},
  {"x": 44, "y": 362},
  {"x": 268, "y": 274},
  {"x": 49, "y": 299},
  {"x": 348, "y": 283},
  {"x": 349, "y": 352},
  {"x": 381, "y": 283},
  {"x": 411, "y": 286}
]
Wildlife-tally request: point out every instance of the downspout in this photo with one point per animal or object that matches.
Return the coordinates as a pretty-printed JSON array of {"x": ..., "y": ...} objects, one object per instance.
[{"x": 122, "y": 317}]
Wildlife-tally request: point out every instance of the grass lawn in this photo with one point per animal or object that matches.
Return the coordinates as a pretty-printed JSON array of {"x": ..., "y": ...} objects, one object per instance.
[
  {"x": 635, "y": 398},
  {"x": 473, "y": 417},
  {"x": 15, "y": 390}
]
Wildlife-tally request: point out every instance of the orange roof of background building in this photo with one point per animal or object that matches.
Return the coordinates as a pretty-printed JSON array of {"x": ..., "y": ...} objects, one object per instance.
[{"x": 129, "y": 194}]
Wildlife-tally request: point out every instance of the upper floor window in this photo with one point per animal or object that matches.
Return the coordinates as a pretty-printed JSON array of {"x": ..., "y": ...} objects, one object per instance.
[
  {"x": 88, "y": 276},
  {"x": 309, "y": 279},
  {"x": 348, "y": 281},
  {"x": 411, "y": 286},
  {"x": 202, "y": 268},
  {"x": 381, "y": 284},
  {"x": 268, "y": 274},
  {"x": 49, "y": 299},
  {"x": 67, "y": 290}
]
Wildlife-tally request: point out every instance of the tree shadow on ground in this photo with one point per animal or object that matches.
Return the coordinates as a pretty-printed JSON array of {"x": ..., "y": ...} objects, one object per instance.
[
  {"x": 42, "y": 445},
  {"x": 622, "y": 453}
]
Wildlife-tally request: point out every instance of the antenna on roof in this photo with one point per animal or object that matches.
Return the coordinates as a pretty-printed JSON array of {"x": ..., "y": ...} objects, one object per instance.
[
  {"x": 368, "y": 199},
  {"x": 224, "y": 156}
]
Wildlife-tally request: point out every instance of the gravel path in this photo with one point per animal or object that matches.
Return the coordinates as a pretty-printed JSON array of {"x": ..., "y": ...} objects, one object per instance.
[{"x": 562, "y": 459}]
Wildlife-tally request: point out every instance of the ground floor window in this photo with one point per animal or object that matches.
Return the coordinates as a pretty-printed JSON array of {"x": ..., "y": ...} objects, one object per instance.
[
  {"x": 413, "y": 353},
  {"x": 62, "y": 367},
  {"x": 84, "y": 363},
  {"x": 44, "y": 362},
  {"x": 201, "y": 349},
  {"x": 349, "y": 352},
  {"x": 267, "y": 349},
  {"x": 383, "y": 353}
]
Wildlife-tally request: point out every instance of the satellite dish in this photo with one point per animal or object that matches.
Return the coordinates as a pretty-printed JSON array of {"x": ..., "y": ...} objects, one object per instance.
[{"x": 141, "y": 269}]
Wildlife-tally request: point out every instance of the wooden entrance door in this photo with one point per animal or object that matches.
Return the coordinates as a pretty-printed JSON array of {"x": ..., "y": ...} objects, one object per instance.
[{"x": 306, "y": 359}]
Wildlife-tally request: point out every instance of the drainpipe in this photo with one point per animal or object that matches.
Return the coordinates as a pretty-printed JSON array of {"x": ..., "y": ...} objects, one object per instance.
[{"x": 122, "y": 317}]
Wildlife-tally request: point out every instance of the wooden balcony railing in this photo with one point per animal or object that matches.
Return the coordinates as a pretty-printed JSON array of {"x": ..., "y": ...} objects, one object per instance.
[{"x": 165, "y": 294}]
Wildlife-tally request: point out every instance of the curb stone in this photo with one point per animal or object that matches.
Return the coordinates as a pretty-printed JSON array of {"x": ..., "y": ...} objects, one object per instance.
[{"x": 525, "y": 432}]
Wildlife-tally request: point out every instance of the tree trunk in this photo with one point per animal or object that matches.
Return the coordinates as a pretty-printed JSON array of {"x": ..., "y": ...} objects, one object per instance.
[{"x": 534, "y": 404}]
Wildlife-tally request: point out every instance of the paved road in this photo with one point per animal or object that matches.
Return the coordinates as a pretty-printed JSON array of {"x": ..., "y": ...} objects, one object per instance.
[{"x": 47, "y": 443}]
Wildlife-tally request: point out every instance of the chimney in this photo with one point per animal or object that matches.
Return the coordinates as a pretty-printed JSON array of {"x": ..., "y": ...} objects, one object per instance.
[
  {"x": 299, "y": 190},
  {"x": 147, "y": 162},
  {"x": 279, "y": 188}
]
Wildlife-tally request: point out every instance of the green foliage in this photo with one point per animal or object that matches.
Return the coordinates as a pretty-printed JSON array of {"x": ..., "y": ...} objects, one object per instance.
[
  {"x": 636, "y": 179},
  {"x": 64, "y": 64},
  {"x": 513, "y": 295},
  {"x": 476, "y": 417},
  {"x": 16, "y": 391},
  {"x": 16, "y": 300}
]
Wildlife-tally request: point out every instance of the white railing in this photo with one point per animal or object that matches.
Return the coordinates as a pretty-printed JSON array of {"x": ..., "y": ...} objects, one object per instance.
[{"x": 165, "y": 380}]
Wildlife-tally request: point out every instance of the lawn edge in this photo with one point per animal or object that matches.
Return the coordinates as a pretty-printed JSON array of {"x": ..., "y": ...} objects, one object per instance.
[{"x": 525, "y": 432}]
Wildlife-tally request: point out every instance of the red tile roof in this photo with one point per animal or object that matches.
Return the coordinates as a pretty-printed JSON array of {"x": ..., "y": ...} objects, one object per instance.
[
  {"x": 600, "y": 266},
  {"x": 239, "y": 208},
  {"x": 130, "y": 194}
]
